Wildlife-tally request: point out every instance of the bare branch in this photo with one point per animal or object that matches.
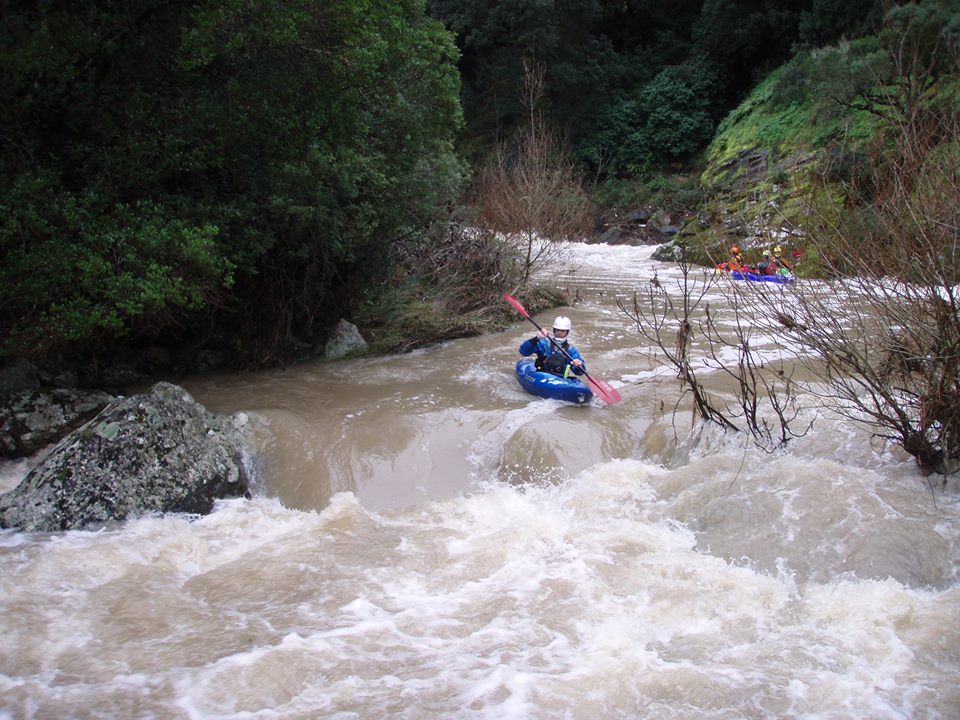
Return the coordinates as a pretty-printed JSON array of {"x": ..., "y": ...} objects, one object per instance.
[{"x": 531, "y": 192}]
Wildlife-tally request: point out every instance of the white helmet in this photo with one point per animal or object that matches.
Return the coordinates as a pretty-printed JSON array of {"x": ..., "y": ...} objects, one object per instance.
[{"x": 562, "y": 323}]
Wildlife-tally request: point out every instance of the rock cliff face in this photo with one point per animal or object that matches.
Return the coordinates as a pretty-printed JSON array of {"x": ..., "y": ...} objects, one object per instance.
[{"x": 152, "y": 453}]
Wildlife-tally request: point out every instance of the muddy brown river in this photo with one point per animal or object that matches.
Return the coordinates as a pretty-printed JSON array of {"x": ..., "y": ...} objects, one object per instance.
[{"x": 429, "y": 541}]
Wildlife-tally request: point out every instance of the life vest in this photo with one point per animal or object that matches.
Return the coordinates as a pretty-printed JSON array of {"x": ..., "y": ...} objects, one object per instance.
[{"x": 555, "y": 362}]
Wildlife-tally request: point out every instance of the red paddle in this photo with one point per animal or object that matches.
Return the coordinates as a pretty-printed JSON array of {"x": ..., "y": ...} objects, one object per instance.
[{"x": 602, "y": 388}]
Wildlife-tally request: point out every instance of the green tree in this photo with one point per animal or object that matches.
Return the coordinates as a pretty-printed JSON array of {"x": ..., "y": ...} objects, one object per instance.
[
  {"x": 613, "y": 143},
  {"x": 679, "y": 106},
  {"x": 827, "y": 21},
  {"x": 745, "y": 39},
  {"x": 568, "y": 38},
  {"x": 173, "y": 166},
  {"x": 671, "y": 118}
]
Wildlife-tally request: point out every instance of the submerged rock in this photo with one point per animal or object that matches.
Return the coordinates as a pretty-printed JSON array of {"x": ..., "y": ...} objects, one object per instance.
[{"x": 152, "y": 453}]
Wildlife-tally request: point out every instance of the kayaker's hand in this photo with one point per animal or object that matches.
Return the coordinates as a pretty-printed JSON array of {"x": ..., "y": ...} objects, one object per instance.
[
  {"x": 541, "y": 335},
  {"x": 577, "y": 363}
]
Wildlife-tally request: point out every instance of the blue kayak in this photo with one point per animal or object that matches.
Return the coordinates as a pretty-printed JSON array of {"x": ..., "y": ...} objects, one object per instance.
[
  {"x": 739, "y": 275},
  {"x": 548, "y": 385}
]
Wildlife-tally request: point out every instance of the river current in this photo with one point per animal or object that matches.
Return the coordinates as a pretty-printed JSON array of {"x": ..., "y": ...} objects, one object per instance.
[{"x": 429, "y": 541}]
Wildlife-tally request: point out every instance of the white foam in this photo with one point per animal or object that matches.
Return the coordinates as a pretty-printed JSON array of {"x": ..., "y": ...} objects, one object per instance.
[{"x": 574, "y": 599}]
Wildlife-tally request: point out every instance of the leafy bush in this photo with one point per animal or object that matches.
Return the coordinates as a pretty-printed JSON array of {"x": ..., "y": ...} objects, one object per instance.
[{"x": 677, "y": 192}]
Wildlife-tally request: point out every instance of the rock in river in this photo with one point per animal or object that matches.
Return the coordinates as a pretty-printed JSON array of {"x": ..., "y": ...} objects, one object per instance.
[
  {"x": 152, "y": 453},
  {"x": 32, "y": 419}
]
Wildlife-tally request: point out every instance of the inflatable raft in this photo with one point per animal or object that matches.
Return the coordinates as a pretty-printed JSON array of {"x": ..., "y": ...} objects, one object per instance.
[
  {"x": 778, "y": 278},
  {"x": 548, "y": 385}
]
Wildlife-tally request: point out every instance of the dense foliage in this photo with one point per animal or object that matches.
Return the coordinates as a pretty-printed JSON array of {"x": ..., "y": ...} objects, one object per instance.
[
  {"x": 174, "y": 170},
  {"x": 637, "y": 83},
  {"x": 232, "y": 174}
]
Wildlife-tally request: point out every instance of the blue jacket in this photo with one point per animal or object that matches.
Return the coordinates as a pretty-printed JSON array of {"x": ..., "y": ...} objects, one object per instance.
[{"x": 550, "y": 359}]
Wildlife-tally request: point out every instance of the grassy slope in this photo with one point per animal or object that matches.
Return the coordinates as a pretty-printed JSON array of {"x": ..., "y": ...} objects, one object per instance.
[{"x": 758, "y": 167}]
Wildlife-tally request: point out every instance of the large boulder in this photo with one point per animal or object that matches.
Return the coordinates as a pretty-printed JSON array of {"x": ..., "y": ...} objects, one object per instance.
[
  {"x": 344, "y": 339},
  {"x": 32, "y": 419},
  {"x": 152, "y": 453}
]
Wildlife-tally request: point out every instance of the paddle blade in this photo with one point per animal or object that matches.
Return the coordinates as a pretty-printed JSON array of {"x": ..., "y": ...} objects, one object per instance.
[
  {"x": 517, "y": 305},
  {"x": 604, "y": 390}
]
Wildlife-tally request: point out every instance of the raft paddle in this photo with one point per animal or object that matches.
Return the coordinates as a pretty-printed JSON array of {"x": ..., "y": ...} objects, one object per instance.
[{"x": 602, "y": 388}]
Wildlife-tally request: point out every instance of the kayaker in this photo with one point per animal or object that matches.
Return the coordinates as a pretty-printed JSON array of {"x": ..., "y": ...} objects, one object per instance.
[{"x": 554, "y": 352}]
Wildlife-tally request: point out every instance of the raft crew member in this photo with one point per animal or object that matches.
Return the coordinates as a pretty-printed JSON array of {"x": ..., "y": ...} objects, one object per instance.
[
  {"x": 550, "y": 350},
  {"x": 778, "y": 258},
  {"x": 767, "y": 266},
  {"x": 738, "y": 262}
]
